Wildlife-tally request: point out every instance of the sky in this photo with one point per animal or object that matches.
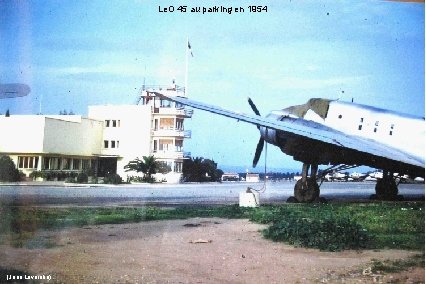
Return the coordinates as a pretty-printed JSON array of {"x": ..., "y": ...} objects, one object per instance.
[{"x": 78, "y": 53}]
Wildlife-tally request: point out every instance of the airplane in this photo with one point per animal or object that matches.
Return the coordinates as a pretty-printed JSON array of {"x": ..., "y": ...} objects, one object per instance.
[
  {"x": 357, "y": 176},
  {"x": 336, "y": 133},
  {"x": 13, "y": 90}
]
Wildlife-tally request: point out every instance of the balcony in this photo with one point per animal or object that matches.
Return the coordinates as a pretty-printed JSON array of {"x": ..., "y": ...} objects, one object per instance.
[
  {"x": 171, "y": 132},
  {"x": 189, "y": 112},
  {"x": 168, "y": 155},
  {"x": 174, "y": 111},
  {"x": 187, "y": 134}
]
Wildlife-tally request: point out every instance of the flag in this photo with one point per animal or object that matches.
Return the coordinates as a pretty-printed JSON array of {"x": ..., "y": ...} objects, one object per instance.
[{"x": 189, "y": 49}]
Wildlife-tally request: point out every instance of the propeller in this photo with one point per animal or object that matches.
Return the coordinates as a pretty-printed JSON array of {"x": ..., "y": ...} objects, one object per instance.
[
  {"x": 258, "y": 152},
  {"x": 253, "y": 107},
  {"x": 261, "y": 142}
]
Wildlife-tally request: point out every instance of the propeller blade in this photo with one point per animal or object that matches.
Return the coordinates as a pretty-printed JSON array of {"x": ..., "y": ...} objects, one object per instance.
[
  {"x": 258, "y": 152},
  {"x": 253, "y": 107}
]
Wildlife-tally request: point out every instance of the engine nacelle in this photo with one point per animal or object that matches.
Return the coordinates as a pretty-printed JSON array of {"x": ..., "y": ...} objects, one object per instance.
[{"x": 270, "y": 135}]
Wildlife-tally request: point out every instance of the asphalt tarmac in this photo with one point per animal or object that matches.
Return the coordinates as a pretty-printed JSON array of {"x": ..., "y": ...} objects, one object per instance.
[{"x": 39, "y": 194}]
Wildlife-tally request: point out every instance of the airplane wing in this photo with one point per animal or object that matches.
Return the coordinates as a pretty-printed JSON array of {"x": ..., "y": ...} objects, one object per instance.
[
  {"x": 364, "y": 150},
  {"x": 13, "y": 90}
]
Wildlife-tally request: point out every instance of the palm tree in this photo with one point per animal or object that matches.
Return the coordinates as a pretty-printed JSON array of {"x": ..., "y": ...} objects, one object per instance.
[{"x": 148, "y": 166}]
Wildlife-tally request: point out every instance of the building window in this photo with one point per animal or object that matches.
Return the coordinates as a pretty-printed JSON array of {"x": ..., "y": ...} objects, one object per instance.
[
  {"x": 359, "y": 127},
  {"x": 166, "y": 123},
  {"x": 76, "y": 164},
  {"x": 340, "y": 116},
  {"x": 361, "y": 120},
  {"x": 46, "y": 163},
  {"x": 179, "y": 124},
  {"x": 179, "y": 145},
  {"x": 50, "y": 163},
  {"x": 85, "y": 164},
  {"x": 375, "y": 129},
  {"x": 54, "y": 163},
  {"x": 117, "y": 144},
  {"x": 178, "y": 167},
  {"x": 165, "y": 144},
  {"x": 112, "y": 144},
  {"x": 106, "y": 144},
  {"x": 114, "y": 123},
  {"x": 66, "y": 164},
  {"x": 27, "y": 162},
  {"x": 107, "y": 123}
]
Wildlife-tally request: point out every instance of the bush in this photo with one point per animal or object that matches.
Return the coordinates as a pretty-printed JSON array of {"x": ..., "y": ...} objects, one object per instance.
[
  {"x": 113, "y": 179},
  {"x": 69, "y": 180},
  {"x": 328, "y": 233},
  {"x": 8, "y": 171},
  {"x": 35, "y": 174},
  {"x": 82, "y": 178}
]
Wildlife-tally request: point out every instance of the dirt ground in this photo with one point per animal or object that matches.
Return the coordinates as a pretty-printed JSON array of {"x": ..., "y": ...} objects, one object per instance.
[{"x": 195, "y": 250}]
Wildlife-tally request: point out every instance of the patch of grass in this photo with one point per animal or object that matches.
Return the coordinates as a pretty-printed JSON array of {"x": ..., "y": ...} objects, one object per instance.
[
  {"x": 394, "y": 266},
  {"x": 399, "y": 225},
  {"x": 330, "y": 233}
]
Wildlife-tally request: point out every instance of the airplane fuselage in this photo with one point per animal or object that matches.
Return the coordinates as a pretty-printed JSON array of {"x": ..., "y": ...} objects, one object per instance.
[{"x": 399, "y": 131}]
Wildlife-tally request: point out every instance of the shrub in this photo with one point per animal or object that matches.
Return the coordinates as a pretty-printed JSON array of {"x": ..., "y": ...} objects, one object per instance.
[
  {"x": 35, "y": 174},
  {"x": 69, "y": 180},
  {"x": 8, "y": 171},
  {"x": 82, "y": 178},
  {"x": 328, "y": 233},
  {"x": 113, "y": 179}
]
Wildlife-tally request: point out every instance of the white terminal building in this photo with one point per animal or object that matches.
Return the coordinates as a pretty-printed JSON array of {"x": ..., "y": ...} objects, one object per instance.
[{"x": 104, "y": 141}]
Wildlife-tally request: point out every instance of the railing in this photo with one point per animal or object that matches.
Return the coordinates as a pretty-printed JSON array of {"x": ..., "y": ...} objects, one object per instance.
[
  {"x": 168, "y": 155},
  {"x": 160, "y": 88},
  {"x": 170, "y": 133},
  {"x": 187, "y": 134},
  {"x": 189, "y": 112},
  {"x": 171, "y": 111}
]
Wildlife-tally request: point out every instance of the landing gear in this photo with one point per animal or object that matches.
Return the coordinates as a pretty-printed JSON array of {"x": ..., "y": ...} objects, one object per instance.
[
  {"x": 386, "y": 188},
  {"x": 306, "y": 189}
]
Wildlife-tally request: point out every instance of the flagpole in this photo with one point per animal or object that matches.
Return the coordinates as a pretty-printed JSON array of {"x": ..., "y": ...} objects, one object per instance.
[{"x": 186, "y": 67}]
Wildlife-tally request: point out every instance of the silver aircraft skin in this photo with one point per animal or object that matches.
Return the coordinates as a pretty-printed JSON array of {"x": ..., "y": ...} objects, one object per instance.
[{"x": 327, "y": 132}]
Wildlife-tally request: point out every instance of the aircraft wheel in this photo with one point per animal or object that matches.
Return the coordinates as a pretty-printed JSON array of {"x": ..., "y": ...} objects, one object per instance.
[
  {"x": 386, "y": 189},
  {"x": 307, "y": 191}
]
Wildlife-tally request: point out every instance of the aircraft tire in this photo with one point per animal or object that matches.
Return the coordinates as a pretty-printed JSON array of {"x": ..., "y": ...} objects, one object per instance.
[
  {"x": 386, "y": 189},
  {"x": 306, "y": 192}
]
